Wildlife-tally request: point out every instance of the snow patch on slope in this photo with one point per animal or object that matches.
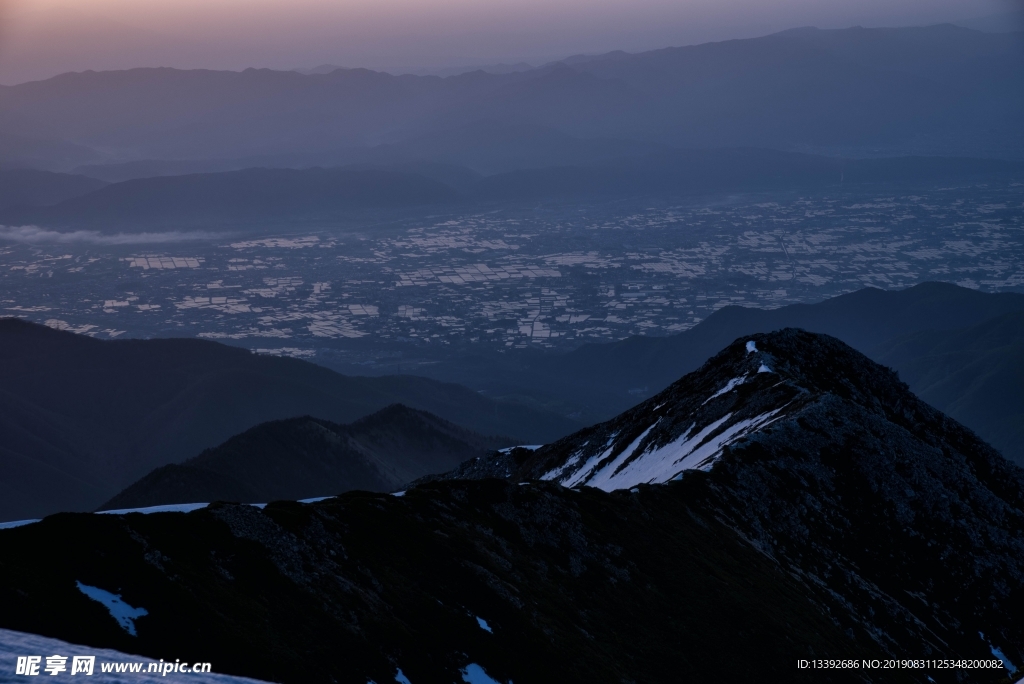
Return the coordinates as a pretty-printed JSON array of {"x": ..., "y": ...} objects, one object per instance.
[
  {"x": 608, "y": 472},
  {"x": 585, "y": 471},
  {"x": 119, "y": 610},
  {"x": 474, "y": 674},
  {"x": 729, "y": 386},
  {"x": 660, "y": 465}
]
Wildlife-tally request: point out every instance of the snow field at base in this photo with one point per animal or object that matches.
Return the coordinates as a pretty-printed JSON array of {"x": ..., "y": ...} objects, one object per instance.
[
  {"x": 14, "y": 644},
  {"x": 119, "y": 610}
]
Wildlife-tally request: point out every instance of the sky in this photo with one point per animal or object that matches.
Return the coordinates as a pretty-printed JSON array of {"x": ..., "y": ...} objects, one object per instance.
[{"x": 41, "y": 38}]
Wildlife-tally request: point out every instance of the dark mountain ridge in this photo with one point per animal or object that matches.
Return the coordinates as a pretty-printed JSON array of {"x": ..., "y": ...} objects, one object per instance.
[
  {"x": 826, "y": 513},
  {"x": 82, "y": 418},
  {"x": 301, "y": 458},
  {"x": 600, "y": 380},
  {"x": 974, "y": 374}
]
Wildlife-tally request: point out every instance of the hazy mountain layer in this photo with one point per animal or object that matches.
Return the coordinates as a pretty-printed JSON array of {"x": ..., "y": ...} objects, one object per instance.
[
  {"x": 83, "y": 418},
  {"x": 254, "y": 199},
  {"x": 854, "y": 520},
  {"x": 249, "y": 195},
  {"x": 932, "y": 90},
  {"x": 28, "y": 187},
  {"x": 301, "y": 458}
]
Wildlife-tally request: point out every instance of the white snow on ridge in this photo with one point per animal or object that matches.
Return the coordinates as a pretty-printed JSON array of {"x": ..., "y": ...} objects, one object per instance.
[
  {"x": 315, "y": 499},
  {"x": 764, "y": 369},
  {"x": 531, "y": 447},
  {"x": 17, "y": 523},
  {"x": 751, "y": 347},
  {"x": 167, "y": 508}
]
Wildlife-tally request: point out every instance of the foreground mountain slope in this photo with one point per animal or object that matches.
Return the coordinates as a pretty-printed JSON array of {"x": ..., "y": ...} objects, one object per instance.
[
  {"x": 82, "y": 418},
  {"x": 823, "y": 512},
  {"x": 302, "y": 458},
  {"x": 593, "y": 587},
  {"x": 826, "y": 462}
]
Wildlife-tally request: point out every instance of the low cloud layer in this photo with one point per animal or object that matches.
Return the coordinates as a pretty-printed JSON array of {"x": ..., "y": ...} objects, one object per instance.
[{"x": 37, "y": 235}]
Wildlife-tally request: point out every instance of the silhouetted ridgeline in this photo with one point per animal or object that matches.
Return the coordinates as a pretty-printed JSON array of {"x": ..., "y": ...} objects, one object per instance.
[
  {"x": 81, "y": 418},
  {"x": 301, "y": 458}
]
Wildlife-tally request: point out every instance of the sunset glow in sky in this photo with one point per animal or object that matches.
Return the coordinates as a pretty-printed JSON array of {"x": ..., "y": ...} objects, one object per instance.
[{"x": 39, "y": 38}]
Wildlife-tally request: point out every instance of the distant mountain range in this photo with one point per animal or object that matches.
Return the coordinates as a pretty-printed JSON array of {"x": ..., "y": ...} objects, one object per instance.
[
  {"x": 301, "y": 458},
  {"x": 81, "y": 418},
  {"x": 937, "y": 90},
  {"x": 258, "y": 198},
  {"x": 31, "y": 188},
  {"x": 802, "y": 504},
  {"x": 247, "y": 195}
]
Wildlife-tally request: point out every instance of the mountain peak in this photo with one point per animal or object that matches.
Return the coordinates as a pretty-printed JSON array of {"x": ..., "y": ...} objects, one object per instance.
[{"x": 751, "y": 385}]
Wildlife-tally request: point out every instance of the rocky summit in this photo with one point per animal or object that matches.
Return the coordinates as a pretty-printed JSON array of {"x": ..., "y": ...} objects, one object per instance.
[{"x": 789, "y": 500}]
